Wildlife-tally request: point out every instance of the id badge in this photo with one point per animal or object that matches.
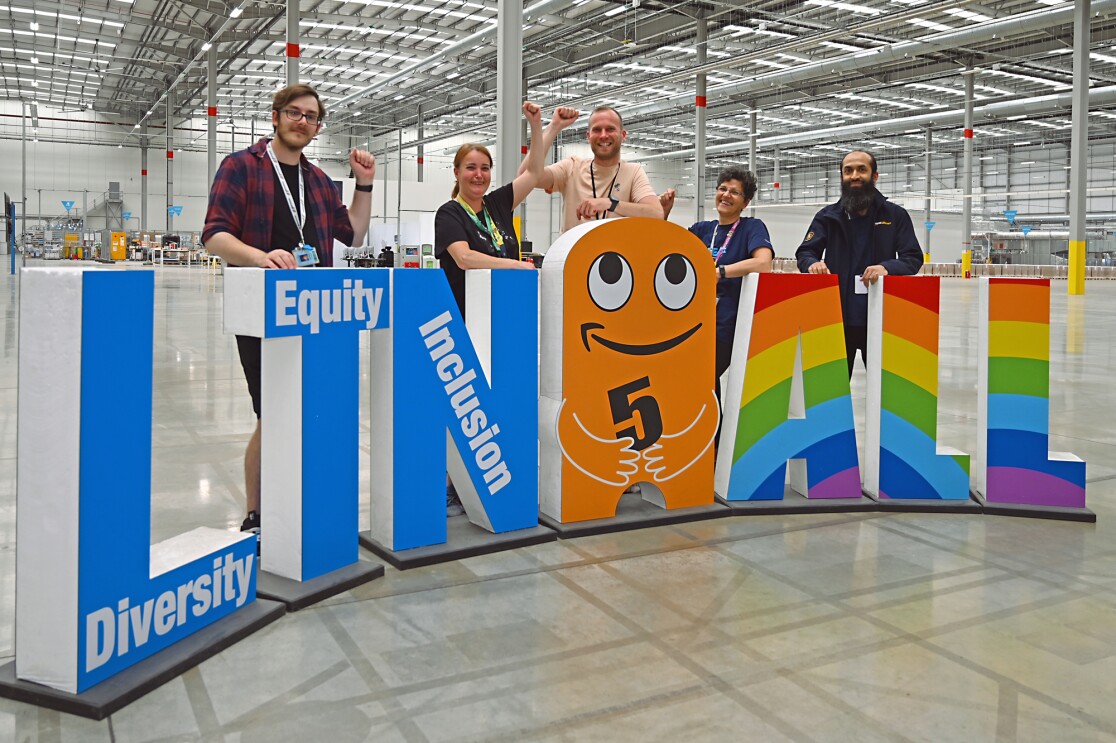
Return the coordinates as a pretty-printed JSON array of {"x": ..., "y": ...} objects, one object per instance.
[
  {"x": 859, "y": 287},
  {"x": 306, "y": 256}
]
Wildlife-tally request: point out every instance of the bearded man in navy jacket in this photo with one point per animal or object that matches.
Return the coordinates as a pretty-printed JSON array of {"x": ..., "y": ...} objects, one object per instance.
[{"x": 860, "y": 238}]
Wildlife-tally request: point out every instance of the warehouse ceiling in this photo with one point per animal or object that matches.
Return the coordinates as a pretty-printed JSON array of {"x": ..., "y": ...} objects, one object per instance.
[{"x": 817, "y": 72}]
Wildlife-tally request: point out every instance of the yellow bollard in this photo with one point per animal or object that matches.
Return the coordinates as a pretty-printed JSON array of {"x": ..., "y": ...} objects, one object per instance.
[{"x": 967, "y": 264}]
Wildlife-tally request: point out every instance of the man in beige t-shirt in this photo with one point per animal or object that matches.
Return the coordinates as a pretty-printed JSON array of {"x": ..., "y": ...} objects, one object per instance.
[{"x": 605, "y": 186}]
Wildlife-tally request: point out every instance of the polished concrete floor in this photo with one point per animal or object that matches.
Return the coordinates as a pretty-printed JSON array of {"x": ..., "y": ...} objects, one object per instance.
[{"x": 858, "y": 628}]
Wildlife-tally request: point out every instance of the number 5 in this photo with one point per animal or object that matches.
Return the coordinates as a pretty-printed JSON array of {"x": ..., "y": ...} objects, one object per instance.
[{"x": 624, "y": 408}]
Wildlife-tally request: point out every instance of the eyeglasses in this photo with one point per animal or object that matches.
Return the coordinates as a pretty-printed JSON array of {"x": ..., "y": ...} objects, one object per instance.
[
  {"x": 730, "y": 191},
  {"x": 296, "y": 115}
]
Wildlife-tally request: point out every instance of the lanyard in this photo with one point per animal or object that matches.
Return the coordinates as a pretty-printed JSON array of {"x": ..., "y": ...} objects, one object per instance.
[
  {"x": 712, "y": 238},
  {"x": 298, "y": 214},
  {"x": 608, "y": 191},
  {"x": 489, "y": 226}
]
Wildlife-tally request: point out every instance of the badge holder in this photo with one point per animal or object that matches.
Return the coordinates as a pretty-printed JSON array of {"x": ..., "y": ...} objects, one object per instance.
[{"x": 306, "y": 256}]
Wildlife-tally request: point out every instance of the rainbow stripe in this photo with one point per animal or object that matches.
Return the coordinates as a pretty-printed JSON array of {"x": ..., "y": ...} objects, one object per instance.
[
  {"x": 1020, "y": 468},
  {"x": 910, "y": 464},
  {"x": 790, "y": 308}
]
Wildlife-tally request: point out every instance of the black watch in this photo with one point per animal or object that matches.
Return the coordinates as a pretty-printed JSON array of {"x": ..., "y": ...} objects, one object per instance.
[
  {"x": 615, "y": 203},
  {"x": 366, "y": 189},
  {"x": 721, "y": 271}
]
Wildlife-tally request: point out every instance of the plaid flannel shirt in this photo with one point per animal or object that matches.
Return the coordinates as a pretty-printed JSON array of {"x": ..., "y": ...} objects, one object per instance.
[{"x": 242, "y": 202}]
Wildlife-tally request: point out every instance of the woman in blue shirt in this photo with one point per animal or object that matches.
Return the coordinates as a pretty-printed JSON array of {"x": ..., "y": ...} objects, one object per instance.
[{"x": 738, "y": 245}]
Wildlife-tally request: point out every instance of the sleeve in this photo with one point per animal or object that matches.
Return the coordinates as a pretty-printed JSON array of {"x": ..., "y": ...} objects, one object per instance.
[
  {"x": 342, "y": 225},
  {"x": 641, "y": 186},
  {"x": 813, "y": 245},
  {"x": 696, "y": 231},
  {"x": 503, "y": 198},
  {"x": 758, "y": 237},
  {"x": 448, "y": 228},
  {"x": 227, "y": 200},
  {"x": 561, "y": 171},
  {"x": 909, "y": 252}
]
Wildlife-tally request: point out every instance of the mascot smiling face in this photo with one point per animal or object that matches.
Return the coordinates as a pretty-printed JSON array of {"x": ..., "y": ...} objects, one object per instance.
[{"x": 637, "y": 367}]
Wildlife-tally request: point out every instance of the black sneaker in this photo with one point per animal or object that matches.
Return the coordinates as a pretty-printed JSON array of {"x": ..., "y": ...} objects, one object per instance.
[
  {"x": 252, "y": 523},
  {"x": 453, "y": 503}
]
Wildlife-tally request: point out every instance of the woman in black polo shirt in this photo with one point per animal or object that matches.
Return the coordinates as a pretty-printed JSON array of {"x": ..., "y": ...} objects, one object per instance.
[{"x": 474, "y": 229}]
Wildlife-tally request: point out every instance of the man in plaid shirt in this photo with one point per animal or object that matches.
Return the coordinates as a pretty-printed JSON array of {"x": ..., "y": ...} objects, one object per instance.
[{"x": 257, "y": 217}]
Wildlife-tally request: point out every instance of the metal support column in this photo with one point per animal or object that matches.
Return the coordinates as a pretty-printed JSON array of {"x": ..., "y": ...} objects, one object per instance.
[
  {"x": 399, "y": 191},
  {"x": 701, "y": 42},
  {"x": 752, "y": 149},
  {"x": 523, "y": 149},
  {"x": 776, "y": 186},
  {"x": 967, "y": 170},
  {"x": 170, "y": 161},
  {"x": 1079, "y": 147},
  {"x": 509, "y": 94},
  {"x": 926, "y": 164},
  {"x": 292, "y": 42},
  {"x": 211, "y": 114},
  {"x": 144, "y": 141},
  {"x": 23, "y": 186},
  {"x": 421, "y": 147}
]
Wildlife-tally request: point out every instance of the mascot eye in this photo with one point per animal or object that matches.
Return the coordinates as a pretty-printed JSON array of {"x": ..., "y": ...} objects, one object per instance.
[
  {"x": 675, "y": 281},
  {"x": 610, "y": 282}
]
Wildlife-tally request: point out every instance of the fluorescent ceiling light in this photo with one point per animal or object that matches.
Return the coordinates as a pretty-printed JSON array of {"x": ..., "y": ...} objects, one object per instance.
[
  {"x": 968, "y": 15},
  {"x": 932, "y": 25},
  {"x": 937, "y": 88},
  {"x": 842, "y": 47},
  {"x": 850, "y": 7},
  {"x": 206, "y": 46},
  {"x": 1102, "y": 57},
  {"x": 234, "y": 14}
]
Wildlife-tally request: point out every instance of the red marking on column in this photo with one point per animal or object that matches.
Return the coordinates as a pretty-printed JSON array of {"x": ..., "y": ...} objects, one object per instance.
[
  {"x": 143, "y": 172},
  {"x": 699, "y": 101},
  {"x": 420, "y": 160},
  {"x": 968, "y": 134},
  {"x": 775, "y": 184},
  {"x": 170, "y": 154},
  {"x": 293, "y": 50},
  {"x": 523, "y": 149},
  {"x": 212, "y": 110}
]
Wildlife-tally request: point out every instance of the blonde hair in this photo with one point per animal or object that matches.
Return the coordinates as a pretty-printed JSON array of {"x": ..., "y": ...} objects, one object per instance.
[{"x": 462, "y": 151}]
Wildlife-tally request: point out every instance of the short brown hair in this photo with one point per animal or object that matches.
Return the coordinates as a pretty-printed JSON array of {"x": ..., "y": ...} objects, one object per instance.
[
  {"x": 602, "y": 109},
  {"x": 464, "y": 150},
  {"x": 289, "y": 93}
]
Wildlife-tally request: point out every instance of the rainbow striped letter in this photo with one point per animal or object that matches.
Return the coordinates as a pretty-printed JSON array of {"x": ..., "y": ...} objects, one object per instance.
[
  {"x": 787, "y": 395},
  {"x": 1013, "y": 388},
  {"x": 902, "y": 459}
]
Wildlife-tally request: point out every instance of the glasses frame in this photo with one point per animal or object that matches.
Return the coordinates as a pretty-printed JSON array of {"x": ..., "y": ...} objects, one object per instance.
[
  {"x": 731, "y": 192},
  {"x": 293, "y": 114}
]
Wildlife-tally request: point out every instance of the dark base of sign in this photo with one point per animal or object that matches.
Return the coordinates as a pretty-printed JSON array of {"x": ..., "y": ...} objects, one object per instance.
[
  {"x": 794, "y": 502},
  {"x": 633, "y": 512},
  {"x": 927, "y": 505},
  {"x": 463, "y": 539},
  {"x": 1057, "y": 513},
  {"x": 300, "y": 594},
  {"x": 132, "y": 683}
]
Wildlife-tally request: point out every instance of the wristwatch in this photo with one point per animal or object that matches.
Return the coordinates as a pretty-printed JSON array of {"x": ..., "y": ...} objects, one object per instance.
[
  {"x": 366, "y": 189},
  {"x": 721, "y": 271},
  {"x": 615, "y": 203}
]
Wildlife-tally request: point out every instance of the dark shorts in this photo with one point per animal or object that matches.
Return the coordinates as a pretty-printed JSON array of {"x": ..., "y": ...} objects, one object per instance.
[{"x": 249, "y": 348}]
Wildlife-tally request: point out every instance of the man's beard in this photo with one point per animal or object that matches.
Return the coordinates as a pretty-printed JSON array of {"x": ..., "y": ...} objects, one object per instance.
[{"x": 856, "y": 200}]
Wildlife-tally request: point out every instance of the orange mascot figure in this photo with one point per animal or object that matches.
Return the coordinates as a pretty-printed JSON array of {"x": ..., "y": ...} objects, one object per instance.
[{"x": 627, "y": 388}]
